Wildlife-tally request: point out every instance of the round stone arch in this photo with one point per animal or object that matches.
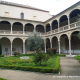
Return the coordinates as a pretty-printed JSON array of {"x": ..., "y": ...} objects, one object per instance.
[
  {"x": 64, "y": 43},
  {"x": 72, "y": 10},
  {"x": 55, "y": 42},
  {"x": 63, "y": 20},
  {"x": 75, "y": 42},
  {"x": 72, "y": 33},
  {"x": 17, "y": 45},
  {"x": 47, "y": 43},
  {"x": 17, "y": 26},
  {"x": 47, "y": 27},
  {"x": 40, "y": 28},
  {"x": 54, "y": 24},
  {"x": 74, "y": 15},
  {"x": 29, "y": 27},
  {"x": 6, "y": 45},
  {"x": 4, "y": 23},
  {"x": 61, "y": 35}
]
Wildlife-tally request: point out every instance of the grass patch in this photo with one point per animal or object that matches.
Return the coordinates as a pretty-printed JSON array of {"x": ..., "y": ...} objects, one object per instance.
[{"x": 51, "y": 66}]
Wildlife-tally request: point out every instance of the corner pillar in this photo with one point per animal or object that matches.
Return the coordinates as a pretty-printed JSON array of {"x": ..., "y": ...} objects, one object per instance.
[
  {"x": 69, "y": 46},
  {"x": 23, "y": 47},
  {"x": 59, "y": 46}
]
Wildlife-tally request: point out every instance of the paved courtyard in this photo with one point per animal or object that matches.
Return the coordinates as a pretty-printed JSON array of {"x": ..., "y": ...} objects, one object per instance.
[{"x": 69, "y": 67}]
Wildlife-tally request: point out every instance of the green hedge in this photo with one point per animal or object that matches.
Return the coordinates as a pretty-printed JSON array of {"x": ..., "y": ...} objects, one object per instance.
[
  {"x": 34, "y": 69},
  {"x": 2, "y": 79},
  {"x": 27, "y": 54},
  {"x": 29, "y": 68},
  {"x": 57, "y": 66},
  {"x": 1, "y": 55},
  {"x": 77, "y": 57},
  {"x": 61, "y": 55}
]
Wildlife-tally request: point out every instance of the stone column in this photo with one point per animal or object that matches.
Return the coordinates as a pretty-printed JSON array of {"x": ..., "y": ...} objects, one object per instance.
[
  {"x": 59, "y": 46},
  {"x": 69, "y": 22},
  {"x": 23, "y": 30},
  {"x": 58, "y": 26},
  {"x": 23, "y": 47},
  {"x": 69, "y": 46},
  {"x": 45, "y": 45},
  {"x": 51, "y": 43},
  {"x": 45, "y": 30},
  {"x": 11, "y": 29},
  {"x": 11, "y": 48},
  {"x": 50, "y": 29}
]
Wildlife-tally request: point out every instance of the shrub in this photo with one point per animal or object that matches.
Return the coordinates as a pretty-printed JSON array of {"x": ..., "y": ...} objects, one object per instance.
[
  {"x": 17, "y": 53},
  {"x": 77, "y": 57},
  {"x": 1, "y": 55},
  {"x": 39, "y": 57},
  {"x": 50, "y": 51},
  {"x": 54, "y": 50},
  {"x": 29, "y": 68}
]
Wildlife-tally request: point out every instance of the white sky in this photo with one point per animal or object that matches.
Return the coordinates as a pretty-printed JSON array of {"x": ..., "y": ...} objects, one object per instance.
[{"x": 53, "y": 6}]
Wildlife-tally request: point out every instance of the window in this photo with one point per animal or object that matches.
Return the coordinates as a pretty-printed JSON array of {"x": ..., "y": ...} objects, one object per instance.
[
  {"x": 22, "y": 15},
  {"x": 6, "y": 14},
  {"x": 34, "y": 17},
  {"x": 6, "y": 49}
]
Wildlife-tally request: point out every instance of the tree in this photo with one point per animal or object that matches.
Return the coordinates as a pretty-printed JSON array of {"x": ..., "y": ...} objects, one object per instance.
[
  {"x": 0, "y": 49},
  {"x": 34, "y": 42}
]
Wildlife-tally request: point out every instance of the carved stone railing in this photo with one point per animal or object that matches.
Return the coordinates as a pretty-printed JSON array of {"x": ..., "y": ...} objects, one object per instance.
[
  {"x": 49, "y": 32},
  {"x": 72, "y": 25},
  {"x": 63, "y": 28},
  {"x": 56, "y": 30},
  {"x": 75, "y": 24},
  {"x": 5, "y": 32},
  {"x": 17, "y": 32}
]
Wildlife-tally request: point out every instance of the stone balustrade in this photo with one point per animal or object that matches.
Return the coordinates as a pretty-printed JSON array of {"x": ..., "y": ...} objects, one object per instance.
[{"x": 61, "y": 29}]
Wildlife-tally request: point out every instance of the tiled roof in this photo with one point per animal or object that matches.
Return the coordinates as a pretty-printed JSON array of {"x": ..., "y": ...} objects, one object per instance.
[{"x": 21, "y": 5}]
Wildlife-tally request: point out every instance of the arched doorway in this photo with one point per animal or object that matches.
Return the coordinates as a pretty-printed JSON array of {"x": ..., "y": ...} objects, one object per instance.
[
  {"x": 64, "y": 44},
  {"x": 6, "y": 47},
  {"x": 75, "y": 43},
  {"x": 47, "y": 43},
  {"x": 55, "y": 43},
  {"x": 17, "y": 45}
]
